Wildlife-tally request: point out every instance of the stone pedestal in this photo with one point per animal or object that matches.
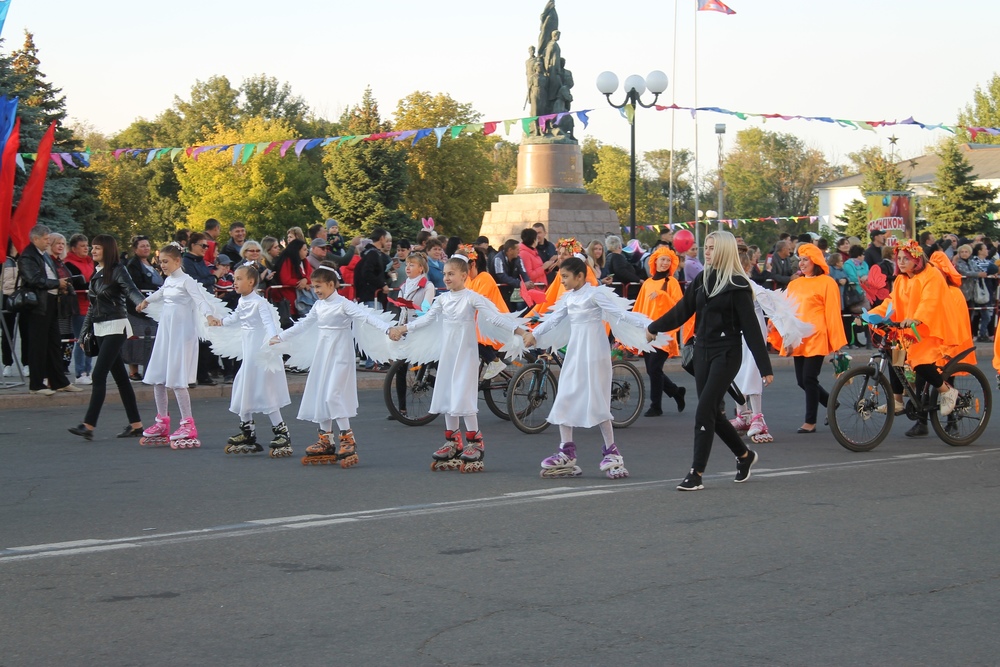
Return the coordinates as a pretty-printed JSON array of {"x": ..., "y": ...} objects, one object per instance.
[{"x": 550, "y": 191}]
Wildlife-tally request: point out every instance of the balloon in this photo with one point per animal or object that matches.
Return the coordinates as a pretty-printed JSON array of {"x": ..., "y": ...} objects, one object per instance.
[{"x": 683, "y": 240}]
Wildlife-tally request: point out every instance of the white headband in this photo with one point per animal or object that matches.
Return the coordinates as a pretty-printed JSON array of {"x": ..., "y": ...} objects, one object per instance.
[
  {"x": 580, "y": 255},
  {"x": 461, "y": 257},
  {"x": 330, "y": 269}
]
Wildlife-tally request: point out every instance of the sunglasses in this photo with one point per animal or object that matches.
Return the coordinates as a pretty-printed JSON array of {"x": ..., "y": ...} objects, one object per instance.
[
  {"x": 252, "y": 250},
  {"x": 203, "y": 245}
]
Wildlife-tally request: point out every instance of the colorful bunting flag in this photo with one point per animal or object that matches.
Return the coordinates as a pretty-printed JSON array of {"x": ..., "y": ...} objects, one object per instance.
[{"x": 713, "y": 6}]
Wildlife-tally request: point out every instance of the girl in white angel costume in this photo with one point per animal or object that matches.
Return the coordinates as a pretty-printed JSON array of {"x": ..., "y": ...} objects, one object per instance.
[
  {"x": 181, "y": 306},
  {"x": 260, "y": 384},
  {"x": 447, "y": 334},
  {"x": 584, "y": 395},
  {"x": 325, "y": 341},
  {"x": 782, "y": 311}
]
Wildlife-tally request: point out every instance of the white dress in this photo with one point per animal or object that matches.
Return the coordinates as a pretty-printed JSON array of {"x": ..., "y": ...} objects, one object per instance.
[
  {"x": 748, "y": 378},
  {"x": 584, "y": 395},
  {"x": 332, "y": 386},
  {"x": 174, "y": 361},
  {"x": 456, "y": 388},
  {"x": 256, "y": 389}
]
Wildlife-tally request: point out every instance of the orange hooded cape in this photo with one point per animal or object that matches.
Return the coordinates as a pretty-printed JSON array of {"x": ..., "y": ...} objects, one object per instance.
[
  {"x": 656, "y": 297},
  {"x": 955, "y": 311},
  {"x": 485, "y": 285},
  {"x": 923, "y": 298},
  {"x": 819, "y": 304}
]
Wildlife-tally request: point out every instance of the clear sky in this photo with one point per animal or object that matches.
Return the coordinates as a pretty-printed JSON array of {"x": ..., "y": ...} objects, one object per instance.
[{"x": 117, "y": 60}]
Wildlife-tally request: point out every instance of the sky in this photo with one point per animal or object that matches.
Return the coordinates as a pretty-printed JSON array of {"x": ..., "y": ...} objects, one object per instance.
[{"x": 119, "y": 60}]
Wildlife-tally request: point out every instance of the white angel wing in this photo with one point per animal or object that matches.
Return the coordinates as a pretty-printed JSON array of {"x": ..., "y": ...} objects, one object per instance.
[
  {"x": 154, "y": 310},
  {"x": 630, "y": 331},
  {"x": 782, "y": 308},
  {"x": 373, "y": 341},
  {"x": 420, "y": 346},
  {"x": 226, "y": 341},
  {"x": 511, "y": 344}
]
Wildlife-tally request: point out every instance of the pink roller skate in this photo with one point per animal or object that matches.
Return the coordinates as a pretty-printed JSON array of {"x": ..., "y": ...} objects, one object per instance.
[
  {"x": 742, "y": 422},
  {"x": 612, "y": 464},
  {"x": 158, "y": 434},
  {"x": 186, "y": 435},
  {"x": 758, "y": 430},
  {"x": 562, "y": 463}
]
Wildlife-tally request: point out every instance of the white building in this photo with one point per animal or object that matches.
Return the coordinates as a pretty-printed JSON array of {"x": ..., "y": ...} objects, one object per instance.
[{"x": 834, "y": 196}]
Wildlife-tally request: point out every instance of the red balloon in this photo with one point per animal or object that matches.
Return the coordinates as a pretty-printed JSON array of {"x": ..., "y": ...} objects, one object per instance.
[{"x": 683, "y": 240}]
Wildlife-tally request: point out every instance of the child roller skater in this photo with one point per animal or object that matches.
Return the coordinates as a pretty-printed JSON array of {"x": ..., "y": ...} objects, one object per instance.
[
  {"x": 328, "y": 335},
  {"x": 256, "y": 387},
  {"x": 174, "y": 360},
  {"x": 584, "y": 395},
  {"x": 447, "y": 332}
]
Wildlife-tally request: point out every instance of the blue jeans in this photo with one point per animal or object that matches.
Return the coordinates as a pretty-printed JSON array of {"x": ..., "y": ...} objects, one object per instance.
[{"x": 81, "y": 362}]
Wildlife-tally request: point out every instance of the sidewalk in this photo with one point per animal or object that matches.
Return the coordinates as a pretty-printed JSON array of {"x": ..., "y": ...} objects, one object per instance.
[{"x": 18, "y": 398}]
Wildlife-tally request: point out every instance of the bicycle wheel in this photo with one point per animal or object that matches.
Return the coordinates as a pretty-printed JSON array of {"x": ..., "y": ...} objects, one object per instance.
[
  {"x": 530, "y": 396},
  {"x": 628, "y": 394},
  {"x": 972, "y": 410},
  {"x": 407, "y": 392},
  {"x": 495, "y": 394},
  {"x": 853, "y": 412}
]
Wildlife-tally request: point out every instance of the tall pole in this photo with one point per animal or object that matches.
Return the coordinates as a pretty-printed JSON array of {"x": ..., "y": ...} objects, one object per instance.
[
  {"x": 697, "y": 222},
  {"x": 722, "y": 181},
  {"x": 631, "y": 193}
]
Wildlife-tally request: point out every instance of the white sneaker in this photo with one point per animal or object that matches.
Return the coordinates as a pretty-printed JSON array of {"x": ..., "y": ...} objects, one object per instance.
[
  {"x": 900, "y": 408},
  {"x": 27, "y": 371},
  {"x": 70, "y": 388},
  {"x": 947, "y": 402},
  {"x": 493, "y": 369},
  {"x": 84, "y": 379},
  {"x": 44, "y": 391},
  {"x": 8, "y": 371}
]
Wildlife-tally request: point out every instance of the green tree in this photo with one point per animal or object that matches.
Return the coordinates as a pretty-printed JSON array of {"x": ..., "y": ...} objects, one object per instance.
[
  {"x": 878, "y": 174},
  {"x": 959, "y": 205},
  {"x": 453, "y": 184},
  {"x": 984, "y": 111},
  {"x": 267, "y": 192},
  {"x": 266, "y": 98},
  {"x": 211, "y": 108},
  {"x": 658, "y": 162},
  {"x": 366, "y": 182}
]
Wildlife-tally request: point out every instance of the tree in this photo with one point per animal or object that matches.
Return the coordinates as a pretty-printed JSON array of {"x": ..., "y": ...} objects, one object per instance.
[
  {"x": 611, "y": 179},
  {"x": 69, "y": 201},
  {"x": 959, "y": 205},
  {"x": 212, "y": 108},
  {"x": 983, "y": 112},
  {"x": 659, "y": 162},
  {"x": 366, "y": 182},
  {"x": 267, "y": 192},
  {"x": 453, "y": 184},
  {"x": 264, "y": 97},
  {"x": 878, "y": 174}
]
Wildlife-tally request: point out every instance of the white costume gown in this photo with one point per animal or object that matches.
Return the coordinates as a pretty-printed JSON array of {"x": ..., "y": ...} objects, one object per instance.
[
  {"x": 748, "y": 378},
  {"x": 456, "y": 389},
  {"x": 332, "y": 386},
  {"x": 174, "y": 361},
  {"x": 584, "y": 395},
  {"x": 256, "y": 389}
]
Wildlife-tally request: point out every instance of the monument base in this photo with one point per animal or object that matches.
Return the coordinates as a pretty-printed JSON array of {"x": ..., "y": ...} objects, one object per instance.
[{"x": 585, "y": 217}]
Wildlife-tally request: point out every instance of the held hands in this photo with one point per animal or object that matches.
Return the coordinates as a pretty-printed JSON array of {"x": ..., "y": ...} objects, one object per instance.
[
  {"x": 214, "y": 321},
  {"x": 142, "y": 306},
  {"x": 396, "y": 333},
  {"x": 529, "y": 339},
  {"x": 274, "y": 340},
  {"x": 650, "y": 337}
]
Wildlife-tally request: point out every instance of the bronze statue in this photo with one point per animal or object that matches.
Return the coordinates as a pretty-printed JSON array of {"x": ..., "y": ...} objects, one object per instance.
[
  {"x": 549, "y": 82},
  {"x": 550, "y": 22}
]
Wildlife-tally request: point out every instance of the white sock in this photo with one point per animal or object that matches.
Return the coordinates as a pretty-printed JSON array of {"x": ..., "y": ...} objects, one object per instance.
[
  {"x": 160, "y": 396},
  {"x": 607, "y": 432},
  {"x": 343, "y": 423}
]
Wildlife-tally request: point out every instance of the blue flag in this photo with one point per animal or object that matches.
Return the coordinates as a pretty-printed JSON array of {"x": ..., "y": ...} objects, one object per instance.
[
  {"x": 4, "y": 6},
  {"x": 8, "y": 110}
]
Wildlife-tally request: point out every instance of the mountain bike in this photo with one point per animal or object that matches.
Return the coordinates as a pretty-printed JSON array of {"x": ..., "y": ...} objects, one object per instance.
[{"x": 408, "y": 388}]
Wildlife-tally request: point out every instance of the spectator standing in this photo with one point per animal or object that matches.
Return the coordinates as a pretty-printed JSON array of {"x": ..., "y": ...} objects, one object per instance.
[
  {"x": 317, "y": 253},
  {"x": 483, "y": 247},
  {"x": 193, "y": 264},
  {"x": 237, "y": 236},
  {"x": 294, "y": 233},
  {"x": 69, "y": 305},
  {"x": 873, "y": 253},
  {"x": 692, "y": 267},
  {"x": 546, "y": 252},
  {"x": 435, "y": 261},
  {"x": 181, "y": 237},
  {"x": 9, "y": 280},
  {"x": 334, "y": 241},
  {"x": 369, "y": 275},
  {"x": 666, "y": 237},
  {"x": 783, "y": 267},
  {"x": 212, "y": 231},
  {"x": 79, "y": 259},
  {"x": 596, "y": 258},
  {"x": 147, "y": 279},
  {"x": 619, "y": 268},
  {"x": 530, "y": 260}
]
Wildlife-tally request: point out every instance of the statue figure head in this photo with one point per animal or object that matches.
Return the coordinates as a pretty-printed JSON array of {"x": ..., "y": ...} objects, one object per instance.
[
  {"x": 555, "y": 35},
  {"x": 531, "y": 51}
]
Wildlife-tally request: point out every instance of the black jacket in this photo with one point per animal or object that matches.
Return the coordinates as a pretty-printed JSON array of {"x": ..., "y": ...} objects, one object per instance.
[
  {"x": 369, "y": 274},
  {"x": 108, "y": 300},
  {"x": 199, "y": 270},
  {"x": 873, "y": 255},
  {"x": 620, "y": 269},
  {"x": 721, "y": 320},
  {"x": 31, "y": 270}
]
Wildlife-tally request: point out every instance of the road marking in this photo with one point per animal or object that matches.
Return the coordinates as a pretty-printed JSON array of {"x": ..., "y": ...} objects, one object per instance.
[{"x": 275, "y": 524}]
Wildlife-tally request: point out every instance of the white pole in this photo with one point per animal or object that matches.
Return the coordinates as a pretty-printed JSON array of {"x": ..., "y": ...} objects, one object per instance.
[
  {"x": 673, "y": 118},
  {"x": 697, "y": 223}
]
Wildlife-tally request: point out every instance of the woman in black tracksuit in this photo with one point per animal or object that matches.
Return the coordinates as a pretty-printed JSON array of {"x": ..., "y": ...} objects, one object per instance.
[{"x": 722, "y": 298}]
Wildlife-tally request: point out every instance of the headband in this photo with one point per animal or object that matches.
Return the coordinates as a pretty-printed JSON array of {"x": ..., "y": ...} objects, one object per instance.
[
  {"x": 332, "y": 270},
  {"x": 461, "y": 257}
]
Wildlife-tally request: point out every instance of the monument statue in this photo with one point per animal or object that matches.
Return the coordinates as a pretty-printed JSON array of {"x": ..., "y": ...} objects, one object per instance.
[
  {"x": 550, "y": 22},
  {"x": 549, "y": 82}
]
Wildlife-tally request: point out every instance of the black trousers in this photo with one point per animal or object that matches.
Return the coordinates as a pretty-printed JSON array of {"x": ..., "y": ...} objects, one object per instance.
[
  {"x": 45, "y": 350},
  {"x": 927, "y": 374},
  {"x": 22, "y": 337},
  {"x": 714, "y": 370},
  {"x": 109, "y": 360},
  {"x": 807, "y": 370},
  {"x": 659, "y": 383}
]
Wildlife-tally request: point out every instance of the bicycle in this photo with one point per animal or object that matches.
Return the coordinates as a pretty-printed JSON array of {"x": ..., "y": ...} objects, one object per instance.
[
  {"x": 533, "y": 389},
  {"x": 862, "y": 393},
  {"x": 409, "y": 400}
]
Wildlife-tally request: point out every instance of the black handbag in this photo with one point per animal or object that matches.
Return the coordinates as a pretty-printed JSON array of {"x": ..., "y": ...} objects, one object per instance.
[
  {"x": 854, "y": 301},
  {"x": 687, "y": 356},
  {"x": 24, "y": 298},
  {"x": 88, "y": 343}
]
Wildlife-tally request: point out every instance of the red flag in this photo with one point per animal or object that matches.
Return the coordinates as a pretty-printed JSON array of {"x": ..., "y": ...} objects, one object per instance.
[
  {"x": 26, "y": 214},
  {"x": 531, "y": 296},
  {"x": 713, "y": 6},
  {"x": 8, "y": 165}
]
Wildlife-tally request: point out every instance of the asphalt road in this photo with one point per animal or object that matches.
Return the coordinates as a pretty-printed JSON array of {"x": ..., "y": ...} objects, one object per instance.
[{"x": 112, "y": 554}]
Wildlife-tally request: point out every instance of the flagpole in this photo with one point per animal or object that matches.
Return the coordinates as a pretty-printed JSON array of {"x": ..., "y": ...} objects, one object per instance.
[
  {"x": 673, "y": 118},
  {"x": 697, "y": 221}
]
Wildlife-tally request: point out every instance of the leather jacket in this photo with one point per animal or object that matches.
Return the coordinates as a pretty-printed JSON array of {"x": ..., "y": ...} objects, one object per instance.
[
  {"x": 31, "y": 266},
  {"x": 107, "y": 300}
]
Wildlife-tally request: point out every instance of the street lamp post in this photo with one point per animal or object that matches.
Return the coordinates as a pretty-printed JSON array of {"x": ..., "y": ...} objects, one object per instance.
[
  {"x": 635, "y": 86},
  {"x": 720, "y": 131}
]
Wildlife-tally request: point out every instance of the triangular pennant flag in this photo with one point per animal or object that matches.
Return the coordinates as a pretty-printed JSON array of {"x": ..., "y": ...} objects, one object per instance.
[
  {"x": 507, "y": 125},
  {"x": 439, "y": 132},
  {"x": 420, "y": 135},
  {"x": 300, "y": 146},
  {"x": 285, "y": 145},
  {"x": 248, "y": 150},
  {"x": 174, "y": 152},
  {"x": 582, "y": 116},
  {"x": 456, "y": 130},
  {"x": 271, "y": 146},
  {"x": 629, "y": 113},
  {"x": 151, "y": 156},
  {"x": 489, "y": 128},
  {"x": 713, "y": 6},
  {"x": 237, "y": 151}
]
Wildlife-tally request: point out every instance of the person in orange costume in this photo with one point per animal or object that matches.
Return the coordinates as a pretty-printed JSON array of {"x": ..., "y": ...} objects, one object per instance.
[
  {"x": 919, "y": 299},
  {"x": 565, "y": 249},
  {"x": 657, "y": 295},
  {"x": 818, "y": 296},
  {"x": 956, "y": 311},
  {"x": 480, "y": 281}
]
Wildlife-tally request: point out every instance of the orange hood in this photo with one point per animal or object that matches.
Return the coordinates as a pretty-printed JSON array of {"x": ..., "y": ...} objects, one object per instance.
[{"x": 663, "y": 251}]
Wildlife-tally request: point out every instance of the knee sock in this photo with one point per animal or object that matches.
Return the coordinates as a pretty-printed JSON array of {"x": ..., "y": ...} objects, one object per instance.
[
  {"x": 275, "y": 417},
  {"x": 183, "y": 397},
  {"x": 607, "y": 432},
  {"x": 451, "y": 422},
  {"x": 471, "y": 423},
  {"x": 326, "y": 425},
  {"x": 343, "y": 423},
  {"x": 246, "y": 416},
  {"x": 565, "y": 433},
  {"x": 160, "y": 396},
  {"x": 756, "y": 406}
]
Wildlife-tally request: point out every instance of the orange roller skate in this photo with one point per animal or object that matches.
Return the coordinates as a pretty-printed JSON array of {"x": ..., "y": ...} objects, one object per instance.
[
  {"x": 474, "y": 452},
  {"x": 321, "y": 452},
  {"x": 347, "y": 455},
  {"x": 447, "y": 456}
]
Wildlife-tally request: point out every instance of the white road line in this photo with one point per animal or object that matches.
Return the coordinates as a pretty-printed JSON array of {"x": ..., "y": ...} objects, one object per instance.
[{"x": 269, "y": 525}]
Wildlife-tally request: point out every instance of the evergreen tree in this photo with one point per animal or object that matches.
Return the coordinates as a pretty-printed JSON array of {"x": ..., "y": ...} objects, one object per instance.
[
  {"x": 366, "y": 182},
  {"x": 959, "y": 205},
  {"x": 878, "y": 174},
  {"x": 69, "y": 202}
]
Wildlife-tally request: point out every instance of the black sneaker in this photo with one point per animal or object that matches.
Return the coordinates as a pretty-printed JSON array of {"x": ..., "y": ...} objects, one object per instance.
[
  {"x": 691, "y": 483},
  {"x": 679, "y": 397},
  {"x": 743, "y": 466},
  {"x": 653, "y": 412},
  {"x": 917, "y": 430},
  {"x": 129, "y": 432},
  {"x": 82, "y": 431},
  {"x": 228, "y": 379},
  {"x": 206, "y": 382}
]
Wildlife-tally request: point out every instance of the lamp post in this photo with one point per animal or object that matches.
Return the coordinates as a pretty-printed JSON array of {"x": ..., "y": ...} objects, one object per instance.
[
  {"x": 720, "y": 131},
  {"x": 635, "y": 86},
  {"x": 707, "y": 217}
]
